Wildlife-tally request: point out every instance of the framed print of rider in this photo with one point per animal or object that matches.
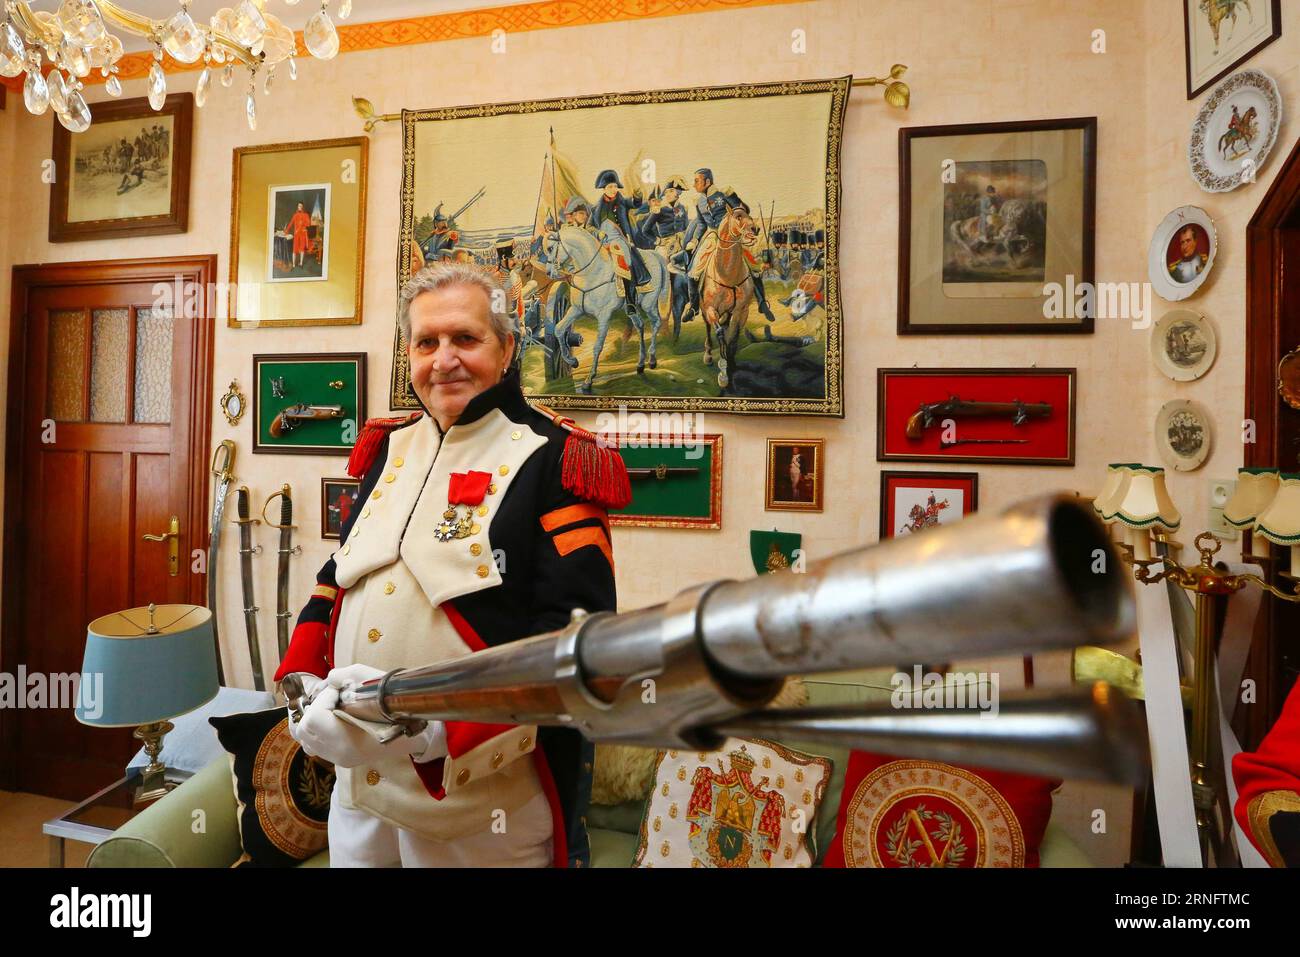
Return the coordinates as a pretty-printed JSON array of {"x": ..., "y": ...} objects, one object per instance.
[
  {"x": 911, "y": 502},
  {"x": 670, "y": 250},
  {"x": 996, "y": 227},
  {"x": 1220, "y": 35}
]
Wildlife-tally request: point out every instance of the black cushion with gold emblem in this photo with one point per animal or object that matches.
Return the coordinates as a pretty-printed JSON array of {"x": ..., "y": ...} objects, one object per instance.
[{"x": 283, "y": 792}]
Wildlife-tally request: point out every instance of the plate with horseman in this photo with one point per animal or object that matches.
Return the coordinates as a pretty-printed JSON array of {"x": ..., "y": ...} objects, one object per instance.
[
  {"x": 1235, "y": 131},
  {"x": 665, "y": 250}
]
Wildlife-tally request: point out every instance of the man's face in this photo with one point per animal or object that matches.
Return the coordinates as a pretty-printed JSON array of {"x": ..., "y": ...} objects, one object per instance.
[
  {"x": 580, "y": 216},
  {"x": 670, "y": 195},
  {"x": 1187, "y": 243},
  {"x": 454, "y": 353},
  {"x": 611, "y": 190},
  {"x": 300, "y": 207}
]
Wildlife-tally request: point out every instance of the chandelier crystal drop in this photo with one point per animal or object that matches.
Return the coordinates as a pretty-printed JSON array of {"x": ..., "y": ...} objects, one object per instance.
[{"x": 78, "y": 37}]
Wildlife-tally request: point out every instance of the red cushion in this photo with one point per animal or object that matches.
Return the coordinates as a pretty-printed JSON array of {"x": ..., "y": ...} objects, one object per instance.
[{"x": 901, "y": 812}]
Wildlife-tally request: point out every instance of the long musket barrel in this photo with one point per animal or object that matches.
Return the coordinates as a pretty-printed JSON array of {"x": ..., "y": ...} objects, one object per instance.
[{"x": 1040, "y": 576}]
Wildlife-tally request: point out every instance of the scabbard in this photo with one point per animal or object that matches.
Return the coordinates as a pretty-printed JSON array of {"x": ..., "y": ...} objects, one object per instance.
[
  {"x": 246, "y": 576},
  {"x": 214, "y": 541},
  {"x": 282, "y": 613}
]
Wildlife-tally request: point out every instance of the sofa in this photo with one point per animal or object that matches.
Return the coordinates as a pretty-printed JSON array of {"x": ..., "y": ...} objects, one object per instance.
[{"x": 163, "y": 835}]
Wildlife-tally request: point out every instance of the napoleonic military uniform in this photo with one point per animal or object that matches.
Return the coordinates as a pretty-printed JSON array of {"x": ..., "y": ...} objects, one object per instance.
[
  {"x": 1268, "y": 788},
  {"x": 530, "y": 544}
]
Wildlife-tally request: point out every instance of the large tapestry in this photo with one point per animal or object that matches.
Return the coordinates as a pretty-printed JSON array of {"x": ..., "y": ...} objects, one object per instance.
[{"x": 676, "y": 249}]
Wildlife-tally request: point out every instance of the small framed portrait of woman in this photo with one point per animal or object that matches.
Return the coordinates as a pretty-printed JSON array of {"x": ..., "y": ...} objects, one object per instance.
[{"x": 795, "y": 475}]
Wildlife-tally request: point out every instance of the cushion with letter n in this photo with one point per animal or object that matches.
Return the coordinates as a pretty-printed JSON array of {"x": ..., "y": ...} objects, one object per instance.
[
  {"x": 750, "y": 804},
  {"x": 283, "y": 792},
  {"x": 900, "y": 812}
]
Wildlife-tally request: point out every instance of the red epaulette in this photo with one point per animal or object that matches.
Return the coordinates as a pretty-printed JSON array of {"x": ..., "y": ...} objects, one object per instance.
[
  {"x": 371, "y": 438},
  {"x": 592, "y": 469}
]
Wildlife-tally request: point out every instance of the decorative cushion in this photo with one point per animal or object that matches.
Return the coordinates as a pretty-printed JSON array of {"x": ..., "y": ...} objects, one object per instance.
[
  {"x": 899, "y": 812},
  {"x": 283, "y": 793},
  {"x": 626, "y": 773},
  {"x": 749, "y": 804}
]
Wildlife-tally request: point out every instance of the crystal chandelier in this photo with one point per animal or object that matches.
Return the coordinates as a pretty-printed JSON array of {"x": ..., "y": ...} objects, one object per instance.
[{"x": 77, "y": 39}]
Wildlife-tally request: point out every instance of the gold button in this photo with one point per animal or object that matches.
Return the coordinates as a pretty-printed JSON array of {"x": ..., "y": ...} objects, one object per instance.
[
  {"x": 389, "y": 477},
  {"x": 516, "y": 435},
  {"x": 372, "y": 777},
  {"x": 345, "y": 549},
  {"x": 389, "y": 588},
  {"x": 525, "y": 742},
  {"x": 492, "y": 489},
  {"x": 366, "y": 513},
  {"x": 374, "y": 634},
  {"x": 481, "y": 571},
  {"x": 397, "y": 462},
  {"x": 379, "y": 493},
  {"x": 355, "y": 533},
  {"x": 497, "y": 759},
  {"x": 504, "y": 470},
  {"x": 476, "y": 549},
  {"x": 482, "y": 510},
  {"x": 475, "y": 528},
  {"x": 463, "y": 777}
]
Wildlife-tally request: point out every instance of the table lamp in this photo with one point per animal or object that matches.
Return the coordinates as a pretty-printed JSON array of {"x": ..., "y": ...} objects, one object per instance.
[
  {"x": 1142, "y": 504},
  {"x": 1255, "y": 490},
  {"x": 1280, "y": 521},
  {"x": 155, "y": 663},
  {"x": 1107, "y": 502}
]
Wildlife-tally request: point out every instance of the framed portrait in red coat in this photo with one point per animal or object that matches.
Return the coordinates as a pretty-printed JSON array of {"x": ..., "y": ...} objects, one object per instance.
[{"x": 1009, "y": 416}]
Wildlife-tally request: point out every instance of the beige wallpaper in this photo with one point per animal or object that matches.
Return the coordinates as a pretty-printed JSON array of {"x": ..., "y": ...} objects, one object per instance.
[{"x": 970, "y": 60}]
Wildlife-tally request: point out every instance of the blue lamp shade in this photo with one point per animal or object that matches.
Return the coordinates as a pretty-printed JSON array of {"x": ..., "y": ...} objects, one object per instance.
[{"x": 133, "y": 674}]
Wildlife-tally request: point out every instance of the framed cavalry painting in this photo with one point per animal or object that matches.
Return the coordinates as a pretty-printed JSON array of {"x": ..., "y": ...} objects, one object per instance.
[
  {"x": 128, "y": 175},
  {"x": 674, "y": 249},
  {"x": 1220, "y": 35},
  {"x": 995, "y": 227},
  {"x": 1014, "y": 416},
  {"x": 911, "y": 502},
  {"x": 297, "y": 233}
]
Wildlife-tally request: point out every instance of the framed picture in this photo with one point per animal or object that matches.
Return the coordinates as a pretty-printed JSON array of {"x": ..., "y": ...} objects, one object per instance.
[
  {"x": 996, "y": 227},
  {"x": 676, "y": 480},
  {"x": 128, "y": 175},
  {"x": 1220, "y": 35},
  {"x": 1018, "y": 416},
  {"x": 911, "y": 502},
  {"x": 338, "y": 497},
  {"x": 796, "y": 472},
  {"x": 297, "y": 235},
  {"x": 308, "y": 404},
  {"x": 579, "y": 171}
]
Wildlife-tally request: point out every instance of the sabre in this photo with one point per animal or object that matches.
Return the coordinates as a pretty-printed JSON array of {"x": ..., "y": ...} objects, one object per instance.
[
  {"x": 246, "y": 552},
  {"x": 717, "y": 653},
  {"x": 286, "y": 549},
  {"x": 223, "y": 465}
]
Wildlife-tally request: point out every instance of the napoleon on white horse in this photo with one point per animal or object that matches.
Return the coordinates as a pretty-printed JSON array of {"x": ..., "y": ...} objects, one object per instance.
[{"x": 595, "y": 290}]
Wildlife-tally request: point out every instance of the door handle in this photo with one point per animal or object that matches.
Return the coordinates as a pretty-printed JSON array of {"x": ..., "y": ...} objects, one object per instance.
[{"x": 172, "y": 538}]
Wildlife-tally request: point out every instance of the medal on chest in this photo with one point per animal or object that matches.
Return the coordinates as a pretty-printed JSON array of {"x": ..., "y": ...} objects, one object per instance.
[{"x": 467, "y": 489}]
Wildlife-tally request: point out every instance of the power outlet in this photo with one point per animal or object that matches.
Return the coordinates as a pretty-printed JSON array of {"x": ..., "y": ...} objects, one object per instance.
[{"x": 1220, "y": 491}]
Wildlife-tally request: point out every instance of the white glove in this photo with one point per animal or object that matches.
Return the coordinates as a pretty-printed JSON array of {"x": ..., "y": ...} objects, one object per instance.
[{"x": 331, "y": 737}]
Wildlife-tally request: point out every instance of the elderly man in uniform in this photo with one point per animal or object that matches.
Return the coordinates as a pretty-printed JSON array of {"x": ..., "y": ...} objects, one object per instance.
[{"x": 479, "y": 521}]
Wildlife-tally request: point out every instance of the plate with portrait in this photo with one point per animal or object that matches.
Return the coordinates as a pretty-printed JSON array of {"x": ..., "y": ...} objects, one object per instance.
[
  {"x": 1183, "y": 345},
  {"x": 1182, "y": 253}
]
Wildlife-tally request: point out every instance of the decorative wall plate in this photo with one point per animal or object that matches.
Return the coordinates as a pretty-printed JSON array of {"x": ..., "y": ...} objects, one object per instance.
[
  {"x": 1183, "y": 434},
  {"x": 1182, "y": 252},
  {"x": 1234, "y": 131},
  {"x": 1183, "y": 345}
]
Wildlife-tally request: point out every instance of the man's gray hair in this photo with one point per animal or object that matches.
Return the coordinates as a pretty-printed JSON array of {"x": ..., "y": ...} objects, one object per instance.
[{"x": 439, "y": 275}]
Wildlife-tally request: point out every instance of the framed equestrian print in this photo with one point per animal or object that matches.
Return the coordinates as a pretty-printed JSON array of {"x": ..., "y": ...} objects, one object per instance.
[
  {"x": 796, "y": 475},
  {"x": 911, "y": 502},
  {"x": 308, "y": 404},
  {"x": 996, "y": 226},
  {"x": 128, "y": 175},
  {"x": 676, "y": 480},
  {"x": 676, "y": 249},
  {"x": 338, "y": 497},
  {"x": 297, "y": 235},
  {"x": 1011, "y": 416},
  {"x": 1220, "y": 35}
]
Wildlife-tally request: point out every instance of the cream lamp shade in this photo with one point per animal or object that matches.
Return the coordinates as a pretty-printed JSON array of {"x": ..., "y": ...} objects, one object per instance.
[
  {"x": 1108, "y": 500},
  {"x": 1280, "y": 522},
  {"x": 1145, "y": 505},
  {"x": 1255, "y": 490}
]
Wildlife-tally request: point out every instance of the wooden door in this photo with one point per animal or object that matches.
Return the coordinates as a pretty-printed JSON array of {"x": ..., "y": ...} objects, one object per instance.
[{"x": 107, "y": 444}]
